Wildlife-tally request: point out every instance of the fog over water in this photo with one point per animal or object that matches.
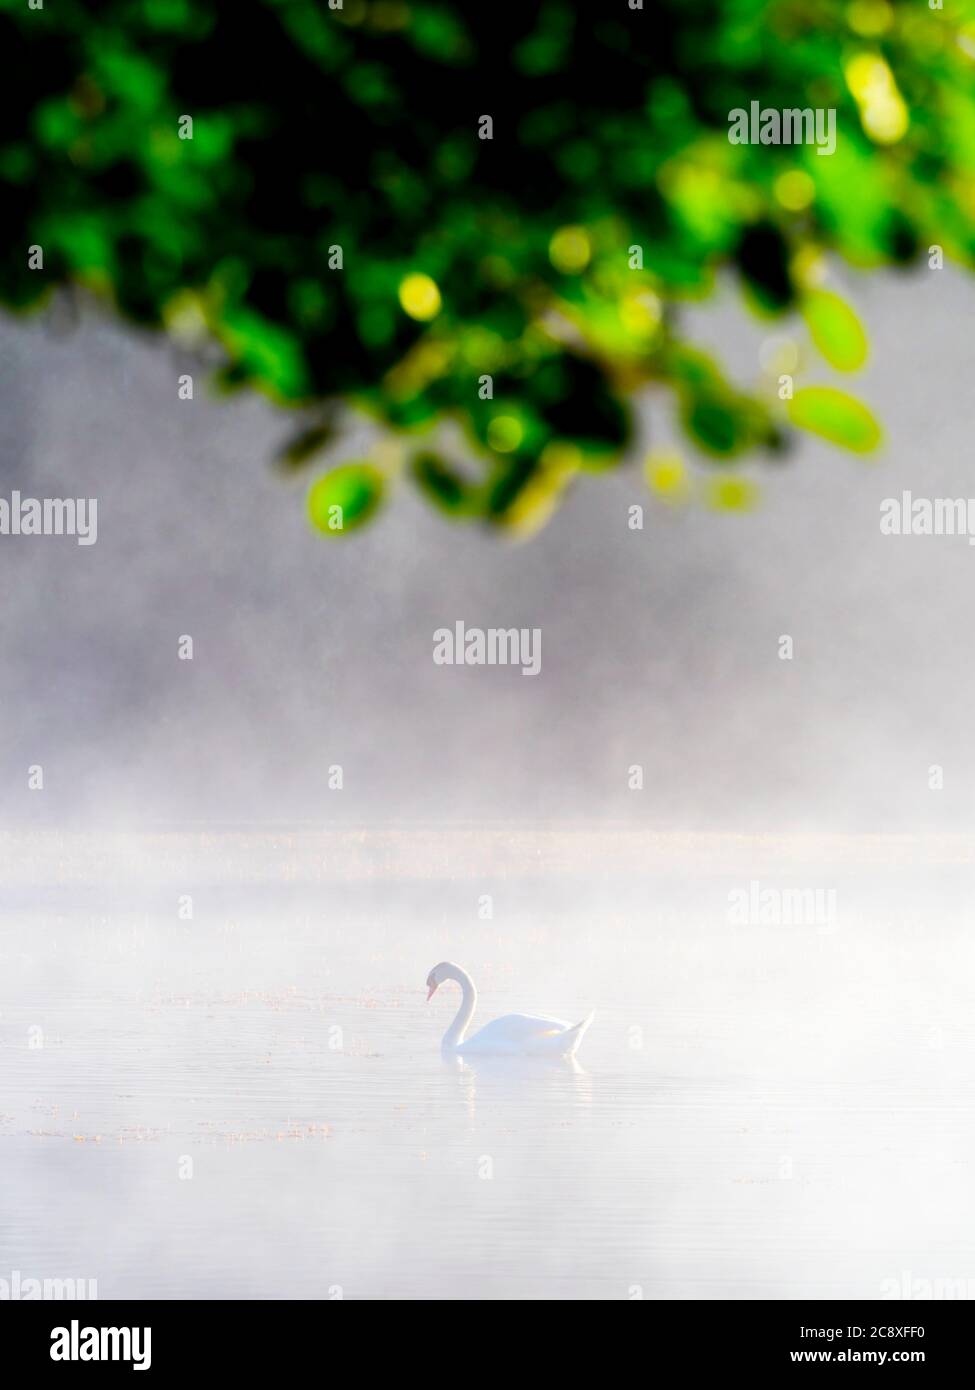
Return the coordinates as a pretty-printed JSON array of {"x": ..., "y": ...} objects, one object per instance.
[
  {"x": 763, "y": 1107},
  {"x": 659, "y": 646}
]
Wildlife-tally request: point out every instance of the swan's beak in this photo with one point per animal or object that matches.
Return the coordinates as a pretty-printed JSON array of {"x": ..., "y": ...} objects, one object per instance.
[{"x": 431, "y": 992}]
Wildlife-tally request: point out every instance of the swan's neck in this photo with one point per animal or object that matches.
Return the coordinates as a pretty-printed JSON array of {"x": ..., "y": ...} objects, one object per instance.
[{"x": 455, "y": 1033}]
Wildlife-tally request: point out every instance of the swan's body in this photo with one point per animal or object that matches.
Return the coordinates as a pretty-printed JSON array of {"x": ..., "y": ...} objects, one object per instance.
[{"x": 513, "y": 1035}]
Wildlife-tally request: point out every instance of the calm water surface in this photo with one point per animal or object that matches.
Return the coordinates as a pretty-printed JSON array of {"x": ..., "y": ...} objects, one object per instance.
[{"x": 252, "y": 1103}]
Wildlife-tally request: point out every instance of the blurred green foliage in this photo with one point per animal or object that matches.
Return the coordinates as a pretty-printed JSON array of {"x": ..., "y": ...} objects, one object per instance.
[{"x": 338, "y": 226}]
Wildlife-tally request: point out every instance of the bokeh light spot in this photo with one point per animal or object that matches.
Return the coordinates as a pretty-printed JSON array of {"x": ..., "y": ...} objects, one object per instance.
[
  {"x": 420, "y": 297},
  {"x": 795, "y": 189},
  {"x": 505, "y": 433},
  {"x": 570, "y": 250}
]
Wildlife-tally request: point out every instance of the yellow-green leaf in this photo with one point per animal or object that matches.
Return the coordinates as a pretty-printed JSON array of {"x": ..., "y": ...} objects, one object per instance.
[
  {"x": 346, "y": 497},
  {"x": 835, "y": 329},
  {"x": 836, "y": 416}
]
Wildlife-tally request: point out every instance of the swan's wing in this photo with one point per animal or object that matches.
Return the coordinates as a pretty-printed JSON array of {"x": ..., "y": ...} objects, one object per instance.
[{"x": 517, "y": 1028}]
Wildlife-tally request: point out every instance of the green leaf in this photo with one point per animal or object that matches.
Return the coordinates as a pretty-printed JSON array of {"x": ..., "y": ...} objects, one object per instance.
[
  {"x": 304, "y": 446},
  {"x": 835, "y": 329},
  {"x": 723, "y": 422},
  {"x": 345, "y": 498},
  {"x": 711, "y": 418},
  {"x": 836, "y": 416},
  {"x": 448, "y": 491},
  {"x": 269, "y": 353}
]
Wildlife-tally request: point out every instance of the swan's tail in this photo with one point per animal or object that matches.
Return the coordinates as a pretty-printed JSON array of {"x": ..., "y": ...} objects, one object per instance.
[{"x": 573, "y": 1036}]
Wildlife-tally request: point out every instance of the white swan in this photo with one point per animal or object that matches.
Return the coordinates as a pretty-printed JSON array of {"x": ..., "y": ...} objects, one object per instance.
[{"x": 512, "y": 1035}]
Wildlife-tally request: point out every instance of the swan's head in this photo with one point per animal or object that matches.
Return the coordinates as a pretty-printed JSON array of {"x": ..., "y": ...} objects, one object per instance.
[{"x": 439, "y": 973}]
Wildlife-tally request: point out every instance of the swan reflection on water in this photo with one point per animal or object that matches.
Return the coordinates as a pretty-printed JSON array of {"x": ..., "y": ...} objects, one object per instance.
[{"x": 536, "y": 1086}]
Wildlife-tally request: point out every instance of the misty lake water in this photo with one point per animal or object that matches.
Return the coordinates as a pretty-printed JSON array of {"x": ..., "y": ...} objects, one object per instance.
[{"x": 252, "y": 1103}]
